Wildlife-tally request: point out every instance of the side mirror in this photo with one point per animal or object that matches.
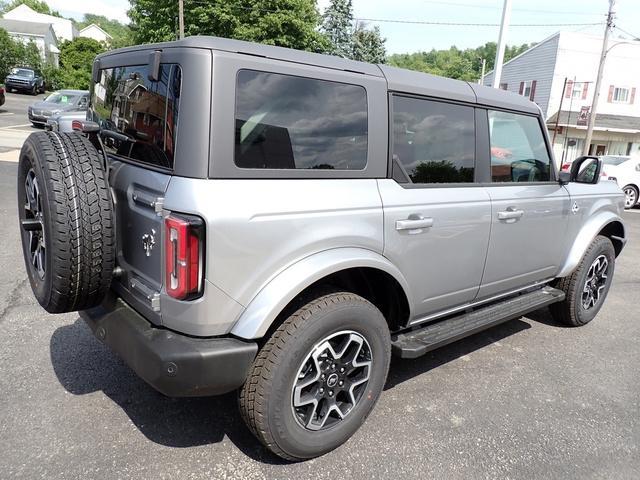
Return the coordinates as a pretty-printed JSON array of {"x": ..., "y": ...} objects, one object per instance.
[{"x": 586, "y": 170}]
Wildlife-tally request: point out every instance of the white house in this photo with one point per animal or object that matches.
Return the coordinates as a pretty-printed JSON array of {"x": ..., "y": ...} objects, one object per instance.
[
  {"x": 41, "y": 34},
  {"x": 64, "y": 28},
  {"x": 540, "y": 72},
  {"x": 95, "y": 32}
]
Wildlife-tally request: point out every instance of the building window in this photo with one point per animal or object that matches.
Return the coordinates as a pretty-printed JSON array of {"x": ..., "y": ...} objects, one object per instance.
[
  {"x": 621, "y": 95},
  {"x": 577, "y": 91},
  {"x": 504, "y": 86},
  {"x": 528, "y": 89}
]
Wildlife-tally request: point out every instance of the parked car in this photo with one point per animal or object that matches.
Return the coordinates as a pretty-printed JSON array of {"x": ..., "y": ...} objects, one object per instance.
[
  {"x": 25, "y": 79},
  {"x": 63, "y": 122},
  {"x": 282, "y": 226},
  {"x": 58, "y": 102},
  {"x": 2, "y": 99},
  {"x": 626, "y": 171}
]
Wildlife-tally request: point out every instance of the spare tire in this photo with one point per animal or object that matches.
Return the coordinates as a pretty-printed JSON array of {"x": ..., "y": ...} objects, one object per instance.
[{"x": 66, "y": 221}]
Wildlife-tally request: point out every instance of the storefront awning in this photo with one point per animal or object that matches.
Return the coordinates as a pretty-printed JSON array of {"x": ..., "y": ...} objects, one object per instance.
[{"x": 604, "y": 122}]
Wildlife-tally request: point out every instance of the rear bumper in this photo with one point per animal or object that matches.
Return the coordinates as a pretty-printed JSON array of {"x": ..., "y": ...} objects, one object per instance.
[{"x": 175, "y": 365}]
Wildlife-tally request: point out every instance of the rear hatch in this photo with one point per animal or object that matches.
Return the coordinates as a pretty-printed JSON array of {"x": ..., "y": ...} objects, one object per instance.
[
  {"x": 138, "y": 196},
  {"x": 138, "y": 120}
]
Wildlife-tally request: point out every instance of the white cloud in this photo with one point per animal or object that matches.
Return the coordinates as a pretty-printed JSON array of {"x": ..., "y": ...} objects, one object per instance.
[{"x": 113, "y": 9}]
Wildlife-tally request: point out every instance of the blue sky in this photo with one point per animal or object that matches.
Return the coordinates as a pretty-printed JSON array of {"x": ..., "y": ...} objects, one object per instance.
[{"x": 410, "y": 38}]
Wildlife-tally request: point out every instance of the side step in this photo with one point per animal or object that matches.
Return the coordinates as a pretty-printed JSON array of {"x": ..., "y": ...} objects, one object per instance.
[{"x": 417, "y": 342}]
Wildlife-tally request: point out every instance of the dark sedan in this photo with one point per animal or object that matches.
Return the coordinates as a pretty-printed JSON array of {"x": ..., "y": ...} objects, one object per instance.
[{"x": 58, "y": 102}]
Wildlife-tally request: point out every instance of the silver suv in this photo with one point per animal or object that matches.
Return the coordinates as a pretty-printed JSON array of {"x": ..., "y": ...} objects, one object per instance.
[{"x": 237, "y": 216}]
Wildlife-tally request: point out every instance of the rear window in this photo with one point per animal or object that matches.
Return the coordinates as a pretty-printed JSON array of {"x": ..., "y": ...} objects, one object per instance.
[
  {"x": 288, "y": 122},
  {"x": 138, "y": 117}
]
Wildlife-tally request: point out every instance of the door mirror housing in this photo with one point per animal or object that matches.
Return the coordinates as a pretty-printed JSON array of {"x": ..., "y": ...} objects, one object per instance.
[
  {"x": 564, "y": 177},
  {"x": 585, "y": 170}
]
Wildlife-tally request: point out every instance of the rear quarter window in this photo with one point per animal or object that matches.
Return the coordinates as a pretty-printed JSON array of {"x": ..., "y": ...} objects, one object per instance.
[
  {"x": 138, "y": 117},
  {"x": 289, "y": 122}
]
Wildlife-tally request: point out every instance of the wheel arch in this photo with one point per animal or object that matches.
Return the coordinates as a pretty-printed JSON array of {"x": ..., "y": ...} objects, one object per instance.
[
  {"x": 605, "y": 223},
  {"x": 358, "y": 270}
]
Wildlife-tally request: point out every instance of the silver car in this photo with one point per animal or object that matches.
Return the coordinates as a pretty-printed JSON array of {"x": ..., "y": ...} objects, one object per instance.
[
  {"x": 58, "y": 102},
  {"x": 252, "y": 218}
]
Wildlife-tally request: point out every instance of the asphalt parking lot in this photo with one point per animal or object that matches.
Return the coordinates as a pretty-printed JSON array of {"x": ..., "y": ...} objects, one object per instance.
[
  {"x": 14, "y": 123},
  {"x": 528, "y": 399}
]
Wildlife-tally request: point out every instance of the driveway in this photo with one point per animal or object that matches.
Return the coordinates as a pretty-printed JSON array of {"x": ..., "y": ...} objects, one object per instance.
[{"x": 528, "y": 399}]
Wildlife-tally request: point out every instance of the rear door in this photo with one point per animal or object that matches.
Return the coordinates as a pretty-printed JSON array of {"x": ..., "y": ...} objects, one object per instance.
[
  {"x": 530, "y": 209},
  {"x": 436, "y": 216}
]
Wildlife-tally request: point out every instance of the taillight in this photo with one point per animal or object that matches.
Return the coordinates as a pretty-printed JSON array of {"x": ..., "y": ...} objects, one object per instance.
[{"x": 184, "y": 256}]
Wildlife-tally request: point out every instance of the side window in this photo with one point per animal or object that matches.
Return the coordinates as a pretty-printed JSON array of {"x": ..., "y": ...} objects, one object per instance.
[
  {"x": 433, "y": 141},
  {"x": 288, "y": 122},
  {"x": 138, "y": 117},
  {"x": 518, "y": 150}
]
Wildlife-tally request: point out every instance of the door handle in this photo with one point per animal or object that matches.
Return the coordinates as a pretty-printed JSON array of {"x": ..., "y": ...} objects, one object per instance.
[
  {"x": 414, "y": 222},
  {"x": 510, "y": 214}
]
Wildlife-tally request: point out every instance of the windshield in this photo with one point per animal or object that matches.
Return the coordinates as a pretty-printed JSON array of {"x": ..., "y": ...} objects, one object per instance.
[
  {"x": 614, "y": 159},
  {"x": 60, "y": 98},
  {"x": 23, "y": 72}
]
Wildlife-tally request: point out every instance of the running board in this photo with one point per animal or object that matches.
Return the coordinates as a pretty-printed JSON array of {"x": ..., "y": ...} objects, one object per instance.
[{"x": 417, "y": 342}]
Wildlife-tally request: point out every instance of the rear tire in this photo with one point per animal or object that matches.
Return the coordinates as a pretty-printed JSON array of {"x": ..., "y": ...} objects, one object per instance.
[
  {"x": 630, "y": 196},
  {"x": 296, "y": 366},
  {"x": 66, "y": 220},
  {"x": 587, "y": 287}
]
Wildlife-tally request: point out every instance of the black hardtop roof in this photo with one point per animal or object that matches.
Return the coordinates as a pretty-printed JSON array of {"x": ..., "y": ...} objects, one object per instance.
[{"x": 398, "y": 79}]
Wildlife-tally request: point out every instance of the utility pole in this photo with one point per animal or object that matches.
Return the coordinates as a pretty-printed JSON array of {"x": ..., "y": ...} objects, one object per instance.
[
  {"x": 497, "y": 68},
  {"x": 484, "y": 65},
  {"x": 181, "y": 18},
  {"x": 596, "y": 93}
]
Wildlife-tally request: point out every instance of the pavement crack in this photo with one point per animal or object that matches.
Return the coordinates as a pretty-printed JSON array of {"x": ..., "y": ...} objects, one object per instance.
[{"x": 12, "y": 298}]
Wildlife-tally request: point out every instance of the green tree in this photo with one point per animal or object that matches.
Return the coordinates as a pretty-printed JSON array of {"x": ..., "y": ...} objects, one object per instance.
[
  {"x": 9, "y": 57},
  {"x": 453, "y": 62},
  {"x": 286, "y": 23},
  {"x": 368, "y": 45},
  {"x": 76, "y": 61},
  {"x": 337, "y": 23},
  {"x": 120, "y": 33}
]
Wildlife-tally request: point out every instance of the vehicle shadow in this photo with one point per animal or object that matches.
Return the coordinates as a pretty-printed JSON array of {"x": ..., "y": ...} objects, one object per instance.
[
  {"x": 403, "y": 369},
  {"x": 83, "y": 365}
]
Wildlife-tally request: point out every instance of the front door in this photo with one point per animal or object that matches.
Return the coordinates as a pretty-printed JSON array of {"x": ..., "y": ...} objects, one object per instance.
[
  {"x": 436, "y": 219},
  {"x": 529, "y": 209}
]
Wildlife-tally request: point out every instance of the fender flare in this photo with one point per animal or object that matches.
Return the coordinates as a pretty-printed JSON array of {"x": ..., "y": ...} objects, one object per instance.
[
  {"x": 584, "y": 239},
  {"x": 276, "y": 295}
]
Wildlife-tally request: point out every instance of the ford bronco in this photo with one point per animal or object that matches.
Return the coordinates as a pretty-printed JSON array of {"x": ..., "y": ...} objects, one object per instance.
[{"x": 233, "y": 216}]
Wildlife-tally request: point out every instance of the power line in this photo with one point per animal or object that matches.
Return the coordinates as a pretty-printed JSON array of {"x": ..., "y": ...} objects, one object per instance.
[
  {"x": 635, "y": 37},
  {"x": 444, "y": 23},
  {"x": 425, "y": 22},
  {"x": 493, "y": 7}
]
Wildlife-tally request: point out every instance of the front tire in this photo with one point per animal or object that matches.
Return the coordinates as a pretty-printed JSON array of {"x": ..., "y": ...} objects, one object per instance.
[
  {"x": 587, "y": 287},
  {"x": 318, "y": 377}
]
